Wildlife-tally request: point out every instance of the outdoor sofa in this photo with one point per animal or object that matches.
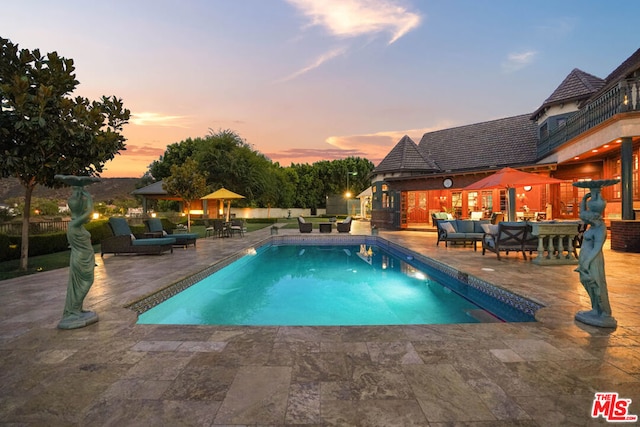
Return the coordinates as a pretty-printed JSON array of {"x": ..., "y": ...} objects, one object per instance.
[
  {"x": 124, "y": 241},
  {"x": 155, "y": 229},
  {"x": 460, "y": 231}
]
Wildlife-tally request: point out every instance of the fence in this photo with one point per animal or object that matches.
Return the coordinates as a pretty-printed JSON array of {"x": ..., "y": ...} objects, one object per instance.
[{"x": 43, "y": 227}]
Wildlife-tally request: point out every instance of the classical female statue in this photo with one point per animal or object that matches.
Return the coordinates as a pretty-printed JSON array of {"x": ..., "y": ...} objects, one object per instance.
[
  {"x": 82, "y": 261},
  {"x": 591, "y": 259}
]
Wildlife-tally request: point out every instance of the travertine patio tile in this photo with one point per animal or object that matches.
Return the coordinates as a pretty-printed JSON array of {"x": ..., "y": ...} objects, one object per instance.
[
  {"x": 116, "y": 372},
  {"x": 258, "y": 395},
  {"x": 444, "y": 395}
]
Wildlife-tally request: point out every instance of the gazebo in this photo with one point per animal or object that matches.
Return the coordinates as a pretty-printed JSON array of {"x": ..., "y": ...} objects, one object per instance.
[{"x": 156, "y": 192}]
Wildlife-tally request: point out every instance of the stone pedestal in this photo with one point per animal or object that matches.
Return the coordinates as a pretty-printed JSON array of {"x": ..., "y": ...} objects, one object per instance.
[{"x": 555, "y": 242}]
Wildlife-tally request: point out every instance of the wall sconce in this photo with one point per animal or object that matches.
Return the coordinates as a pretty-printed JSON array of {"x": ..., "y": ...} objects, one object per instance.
[
  {"x": 443, "y": 199},
  {"x": 521, "y": 196},
  {"x": 527, "y": 188}
]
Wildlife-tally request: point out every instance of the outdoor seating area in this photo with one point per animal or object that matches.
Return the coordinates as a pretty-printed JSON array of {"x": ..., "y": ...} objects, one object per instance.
[
  {"x": 155, "y": 229},
  {"x": 123, "y": 241},
  {"x": 460, "y": 231}
]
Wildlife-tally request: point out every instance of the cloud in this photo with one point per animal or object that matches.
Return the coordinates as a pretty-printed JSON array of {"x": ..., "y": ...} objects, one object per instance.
[
  {"x": 517, "y": 61},
  {"x": 374, "y": 146},
  {"x": 315, "y": 154},
  {"x": 316, "y": 63},
  {"x": 156, "y": 119},
  {"x": 352, "y": 18},
  {"x": 143, "y": 151}
]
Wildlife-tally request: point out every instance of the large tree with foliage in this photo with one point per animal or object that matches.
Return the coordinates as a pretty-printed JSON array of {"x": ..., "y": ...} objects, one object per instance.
[
  {"x": 44, "y": 131},
  {"x": 186, "y": 182},
  {"x": 232, "y": 163}
]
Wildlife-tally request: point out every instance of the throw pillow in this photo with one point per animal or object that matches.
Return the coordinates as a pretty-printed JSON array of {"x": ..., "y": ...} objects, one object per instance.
[
  {"x": 490, "y": 228},
  {"x": 448, "y": 227}
]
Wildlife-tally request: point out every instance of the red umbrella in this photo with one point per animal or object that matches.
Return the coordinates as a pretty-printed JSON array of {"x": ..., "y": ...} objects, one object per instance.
[{"x": 510, "y": 178}]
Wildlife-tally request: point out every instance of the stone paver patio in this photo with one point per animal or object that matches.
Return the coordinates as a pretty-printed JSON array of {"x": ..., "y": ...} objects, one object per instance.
[{"x": 122, "y": 374}]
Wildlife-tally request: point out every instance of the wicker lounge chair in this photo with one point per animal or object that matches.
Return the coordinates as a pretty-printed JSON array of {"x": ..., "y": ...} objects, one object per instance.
[
  {"x": 344, "y": 226},
  {"x": 305, "y": 227},
  {"x": 124, "y": 241},
  {"x": 154, "y": 226}
]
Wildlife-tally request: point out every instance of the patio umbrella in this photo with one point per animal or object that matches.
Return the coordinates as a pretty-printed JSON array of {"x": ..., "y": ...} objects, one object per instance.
[
  {"x": 223, "y": 194},
  {"x": 509, "y": 179}
]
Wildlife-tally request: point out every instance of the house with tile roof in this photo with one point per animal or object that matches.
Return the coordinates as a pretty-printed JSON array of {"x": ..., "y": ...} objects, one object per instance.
[{"x": 587, "y": 129}]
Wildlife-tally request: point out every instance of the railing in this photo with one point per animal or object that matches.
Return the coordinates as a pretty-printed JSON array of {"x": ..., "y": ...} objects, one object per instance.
[
  {"x": 556, "y": 238},
  {"x": 622, "y": 98},
  {"x": 43, "y": 227}
]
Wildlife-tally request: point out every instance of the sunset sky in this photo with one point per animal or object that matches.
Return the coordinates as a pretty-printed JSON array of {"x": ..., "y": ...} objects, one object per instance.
[{"x": 306, "y": 80}]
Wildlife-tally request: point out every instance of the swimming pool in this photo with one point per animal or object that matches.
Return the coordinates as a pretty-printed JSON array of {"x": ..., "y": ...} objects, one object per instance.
[{"x": 303, "y": 285}]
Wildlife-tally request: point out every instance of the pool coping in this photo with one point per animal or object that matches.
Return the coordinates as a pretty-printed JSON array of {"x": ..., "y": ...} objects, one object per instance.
[{"x": 517, "y": 302}]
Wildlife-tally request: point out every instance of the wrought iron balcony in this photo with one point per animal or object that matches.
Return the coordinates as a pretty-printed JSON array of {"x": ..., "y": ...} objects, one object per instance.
[{"x": 624, "y": 97}]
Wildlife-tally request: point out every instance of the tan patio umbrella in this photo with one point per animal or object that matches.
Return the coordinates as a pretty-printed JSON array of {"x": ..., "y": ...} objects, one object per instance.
[
  {"x": 223, "y": 194},
  {"x": 509, "y": 179}
]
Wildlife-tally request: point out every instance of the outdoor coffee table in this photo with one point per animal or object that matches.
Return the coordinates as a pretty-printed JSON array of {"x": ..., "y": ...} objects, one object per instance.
[{"x": 325, "y": 227}]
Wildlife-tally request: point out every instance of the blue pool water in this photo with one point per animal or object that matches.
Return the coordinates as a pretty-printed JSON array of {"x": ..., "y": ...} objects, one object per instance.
[{"x": 317, "y": 285}]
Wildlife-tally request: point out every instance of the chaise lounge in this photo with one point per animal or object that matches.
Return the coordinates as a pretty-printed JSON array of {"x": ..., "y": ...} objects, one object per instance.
[
  {"x": 124, "y": 241},
  {"x": 155, "y": 228}
]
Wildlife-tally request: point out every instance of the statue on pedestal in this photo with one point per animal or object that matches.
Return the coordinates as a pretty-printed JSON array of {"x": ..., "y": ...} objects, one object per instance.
[
  {"x": 82, "y": 261},
  {"x": 591, "y": 259}
]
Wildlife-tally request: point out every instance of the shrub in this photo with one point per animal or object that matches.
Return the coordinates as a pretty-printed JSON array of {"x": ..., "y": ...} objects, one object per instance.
[
  {"x": 99, "y": 229},
  {"x": 6, "y": 249}
]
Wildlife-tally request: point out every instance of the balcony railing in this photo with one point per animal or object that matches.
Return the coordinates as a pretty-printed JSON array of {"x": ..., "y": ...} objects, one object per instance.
[{"x": 622, "y": 98}]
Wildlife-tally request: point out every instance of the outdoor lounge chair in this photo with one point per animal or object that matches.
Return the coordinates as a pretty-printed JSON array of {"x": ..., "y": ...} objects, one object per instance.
[
  {"x": 344, "y": 226},
  {"x": 154, "y": 226},
  {"x": 510, "y": 237},
  {"x": 305, "y": 227},
  {"x": 124, "y": 241}
]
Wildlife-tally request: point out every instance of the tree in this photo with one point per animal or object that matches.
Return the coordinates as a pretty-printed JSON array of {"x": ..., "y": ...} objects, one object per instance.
[
  {"x": 44, "y": 131},
  {"x": 187, "y": 182}
]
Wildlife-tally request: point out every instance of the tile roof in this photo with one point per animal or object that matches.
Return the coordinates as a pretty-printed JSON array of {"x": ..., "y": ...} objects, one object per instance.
[
  {"x": 406, "y": 157},
  {"x": 578, "y": 85},
  {"x": 622, "y": 71},
  {"x": 151, "y": 189},
  {"x": 629, "y": 65},
  {"x": 502, "y": 142}
]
